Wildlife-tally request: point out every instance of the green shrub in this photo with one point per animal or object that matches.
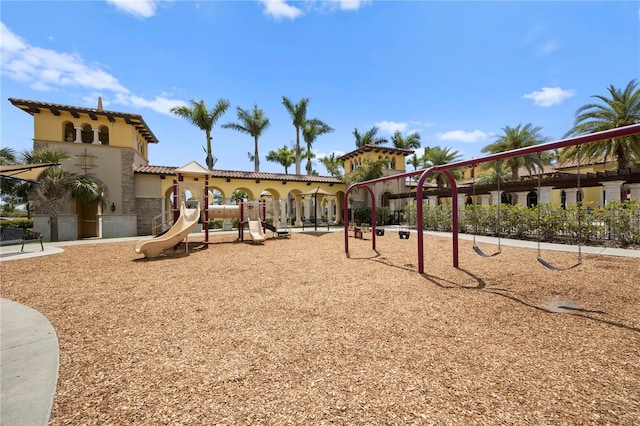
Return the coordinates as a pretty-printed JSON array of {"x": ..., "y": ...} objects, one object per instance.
[
  {"x": 21, "y": 222},
  {"x": 216, "y": 223}
]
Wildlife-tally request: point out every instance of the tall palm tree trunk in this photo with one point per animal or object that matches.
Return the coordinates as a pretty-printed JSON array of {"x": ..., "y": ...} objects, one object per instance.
[
  {"x": 298, "y": 151},
  {"x": 256, "y": 157},
  {"x": 621, "y": 157},
  {"x": 54, "y": 213}
]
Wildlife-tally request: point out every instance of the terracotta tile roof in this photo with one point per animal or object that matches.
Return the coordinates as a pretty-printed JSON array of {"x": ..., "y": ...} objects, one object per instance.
[
  {"x": 237, "y": 174},
  {"x": 376, "y": 148},
  {"x": 136, "y": 120},
  {"x": 155, "y": 170}
]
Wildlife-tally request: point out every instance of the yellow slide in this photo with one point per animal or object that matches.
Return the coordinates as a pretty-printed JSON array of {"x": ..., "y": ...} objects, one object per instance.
[
  {"x": 255, "y": 230},
  {"x": 179, "y": 231}
]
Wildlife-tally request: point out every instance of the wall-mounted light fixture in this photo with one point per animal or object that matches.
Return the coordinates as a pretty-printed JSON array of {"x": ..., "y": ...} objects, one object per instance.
[{"x": 113, "y": 207}]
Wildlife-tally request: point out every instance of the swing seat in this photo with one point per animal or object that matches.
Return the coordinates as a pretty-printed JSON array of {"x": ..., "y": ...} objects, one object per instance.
[
  {"x": 379, "y": 232},
  {"x": 555, "y": 268},
  {"x": 404, "y": 235},
  {"x": 479, "y": 251}
]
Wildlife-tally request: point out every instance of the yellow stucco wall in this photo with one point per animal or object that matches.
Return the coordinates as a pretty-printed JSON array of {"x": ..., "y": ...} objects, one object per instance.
[
  {"x": 49, "y": 127},
  {"x": 397, "y": 160}
]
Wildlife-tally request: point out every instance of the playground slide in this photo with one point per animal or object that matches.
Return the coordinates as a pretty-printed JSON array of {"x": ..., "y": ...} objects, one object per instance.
[
  {"x": 179, "y": 231},
  {"x": 255, "y": 230}
]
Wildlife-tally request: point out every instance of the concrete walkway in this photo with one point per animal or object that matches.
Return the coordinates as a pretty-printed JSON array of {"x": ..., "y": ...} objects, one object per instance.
[
  {"x": 29, "y": 365},
  {"x": 29, "y": 346}
]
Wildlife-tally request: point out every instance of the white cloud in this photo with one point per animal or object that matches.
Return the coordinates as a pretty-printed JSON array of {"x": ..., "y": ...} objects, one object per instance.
[
  {"x": 391, "y": 126},
  {"x": 349, "y": 4},
  {"x": 320, "y": 154},
  {"x": 137, "y": 8},
  {"x": 419, "y": 123},
  {"x": 549, "y": 96},
  {"x": 548, "y": 47},
  {"x": 159, "y": 104},
  {"x": 463, "y": 136},
  {"x": 45, "y": 69},
  {"x": 279, "y": 9}
]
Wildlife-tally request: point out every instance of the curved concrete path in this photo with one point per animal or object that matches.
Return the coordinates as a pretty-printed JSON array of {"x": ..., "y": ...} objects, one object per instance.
[{"x": 29, "y": 361}]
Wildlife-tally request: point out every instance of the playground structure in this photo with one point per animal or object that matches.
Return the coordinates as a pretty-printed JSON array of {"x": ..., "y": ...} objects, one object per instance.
[
  {"x": 188, "y": 219},
  {"x": 445, "y": 170},
  {"x": 254, "y": 214}
]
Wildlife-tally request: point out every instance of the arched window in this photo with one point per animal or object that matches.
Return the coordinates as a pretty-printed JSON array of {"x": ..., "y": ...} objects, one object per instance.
[
  {"x": 579, "y": 196},
  {"x": 532, "y": 199},
  {"x": 391, "y": 164},
  {"x": 563, "y": 200},
  {"x": 68, "y": 132},
  {"x": 104, "y": 135},
  {"x": 87, "y": 134}
]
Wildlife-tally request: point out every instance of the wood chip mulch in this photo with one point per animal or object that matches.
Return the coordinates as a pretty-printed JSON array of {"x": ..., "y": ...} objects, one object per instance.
[{"x": 294, "y": 331}]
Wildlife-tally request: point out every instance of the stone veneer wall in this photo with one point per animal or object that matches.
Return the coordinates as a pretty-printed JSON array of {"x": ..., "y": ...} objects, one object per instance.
[
  {"x": 115, "y": 226},
  {"x": 67, "y": 226},
  {"x": 128, "y": 183},
  {"x": 147, "y": 208}
]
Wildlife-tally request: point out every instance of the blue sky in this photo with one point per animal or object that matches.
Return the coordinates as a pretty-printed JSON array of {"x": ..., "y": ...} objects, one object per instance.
[{"x": 457, "y": 72}]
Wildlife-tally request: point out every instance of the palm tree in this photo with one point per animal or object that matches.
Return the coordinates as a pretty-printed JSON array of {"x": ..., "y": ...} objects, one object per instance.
[
  {"x": 252, "y": 123},
  {"x": 333, "y": 165},
  {"x": 285, "y": 156},
  {"x": 298, "y": 113},
  {"x": 412, "y": 141},
  {"x": 621, "y": 109},
  {"x": 514, "y": 138},
  {"x": 55, "y": 186},
  {"x": 8, "y": 155},
  {"x": 438, "y": 156},
  {"x": 498, "y": 173},
  {"x": 414, "y": 161},
  {"x": 239, "y": 195},
  {"x": 311, "y": 130},
  {"x": 368, "y": 138},
  {"x": 12, "y": 192},
  {"x": 199, "y": 116}
]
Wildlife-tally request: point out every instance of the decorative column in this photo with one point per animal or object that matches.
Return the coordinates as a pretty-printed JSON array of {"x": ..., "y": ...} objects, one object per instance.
[
  {"x": 572, "y": 195},
  {"x": 433, "y": 200},
  {"x": 283, "y": 210},
  {"x": 78, "y": 135},
  {"x": 545, "y": 195},
  {"x": 484, "y": 199},
  {"x": 330, "y": 210},
  {"x": 298, "y": 208},
  {"x": 461, "y": 206},
  {"x": 307, "y": 208},
  {"x": 612, "y": 190},
  {"x": 96, "y": 136},
  {"x": 634, "y": 190},
  {"x": 521, "y": 197},
  {"x": 496, "y": 197}
]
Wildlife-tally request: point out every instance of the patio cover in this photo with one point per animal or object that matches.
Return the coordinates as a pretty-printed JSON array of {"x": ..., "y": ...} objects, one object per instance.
[
  {"x": 317, "y": 191},
  {"x": 28, "y": 172}
]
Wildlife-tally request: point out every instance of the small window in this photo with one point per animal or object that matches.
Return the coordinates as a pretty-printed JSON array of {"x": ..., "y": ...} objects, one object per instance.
[
  {"x": 87, "y": 134},
  {"x": 68, "y": 132},
  {"x": 104, "y": 135}
]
